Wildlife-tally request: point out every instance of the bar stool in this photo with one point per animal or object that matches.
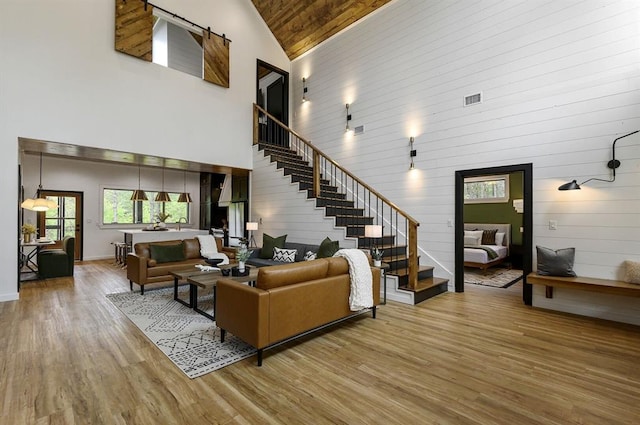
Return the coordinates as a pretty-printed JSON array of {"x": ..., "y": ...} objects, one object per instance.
[{"x": 120, "y": 253}]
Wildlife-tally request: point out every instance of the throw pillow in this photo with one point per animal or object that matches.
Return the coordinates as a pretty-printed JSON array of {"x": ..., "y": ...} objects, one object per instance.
[
  {"x": 471, "y": 241},
  {"x": 632, "y": 271},
  {"x": 310, "y": 255},
  {"x": 474, "y": 233},
  {"x": 489, "y": 237},
  {"x": 284, "y": 255},
  {"x": 269, "y": 242},
  {"x": 328, "y": 248},
  {"x": 167, "y": 253},
  {"x": 500, "y": 238},
  {"x": 555, "y": 263}
]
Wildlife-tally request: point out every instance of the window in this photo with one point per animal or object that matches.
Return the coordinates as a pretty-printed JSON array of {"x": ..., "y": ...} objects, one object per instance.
[
  {"x": 118, "y": 208},
  {"x": 486, "y": 189}
]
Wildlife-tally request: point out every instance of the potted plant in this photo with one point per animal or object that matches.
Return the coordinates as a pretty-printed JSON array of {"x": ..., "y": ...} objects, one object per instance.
[
  {"x": 376, "y": 254},
  {"x": 242, "y": 255},
  {"x": 161, "y": 217},
  {"x": 27, "y": 230}
]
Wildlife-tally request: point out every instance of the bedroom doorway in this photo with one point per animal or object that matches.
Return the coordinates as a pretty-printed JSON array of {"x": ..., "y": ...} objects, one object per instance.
[{"x": 515, "y": 182}]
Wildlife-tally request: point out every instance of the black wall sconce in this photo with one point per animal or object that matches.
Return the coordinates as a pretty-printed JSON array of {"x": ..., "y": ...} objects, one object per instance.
[
  {"x": 347, "y": 129},
  {"x": 613, "y": 164},
  {"x": 412, "y": 152},
  {"x": 304, "y": 89}
]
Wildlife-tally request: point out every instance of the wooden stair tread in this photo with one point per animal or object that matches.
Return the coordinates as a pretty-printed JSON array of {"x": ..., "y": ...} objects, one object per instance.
[
  {"x": 405, "y": 271},
  {"x": 425, "y": 284}
]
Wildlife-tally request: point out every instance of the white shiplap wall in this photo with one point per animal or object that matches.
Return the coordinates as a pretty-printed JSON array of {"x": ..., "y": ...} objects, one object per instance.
[{"x": 560, "y": 81}]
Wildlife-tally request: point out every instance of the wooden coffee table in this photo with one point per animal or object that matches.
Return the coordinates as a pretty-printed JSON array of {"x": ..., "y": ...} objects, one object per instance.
[{"x": 199, "y": 279}]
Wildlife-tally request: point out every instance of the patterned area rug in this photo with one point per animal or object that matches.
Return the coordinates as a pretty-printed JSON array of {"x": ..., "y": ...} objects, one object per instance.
[
  {"x": 190, "y": 340},
  {"x": 495, "y": 276}
]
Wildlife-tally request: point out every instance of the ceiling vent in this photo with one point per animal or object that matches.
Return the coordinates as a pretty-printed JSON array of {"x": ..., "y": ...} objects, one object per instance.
[{"x": 473, "y": 99}]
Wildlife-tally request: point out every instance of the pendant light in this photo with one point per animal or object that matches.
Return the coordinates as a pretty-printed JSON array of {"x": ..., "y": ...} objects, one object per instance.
[
  {"x": 184, "y": 196},
  {"x": 163, "y": 196},
  {"x": 39, "y": 204},
  {"x": 138, "y": 194}
]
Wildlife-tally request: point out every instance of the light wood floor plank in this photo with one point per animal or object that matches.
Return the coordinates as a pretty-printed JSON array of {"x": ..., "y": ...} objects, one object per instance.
[{"x": 68, "y": 356}]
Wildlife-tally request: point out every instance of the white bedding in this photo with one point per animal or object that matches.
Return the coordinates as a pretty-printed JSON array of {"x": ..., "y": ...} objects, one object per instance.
[{"x": 480, "y": 256}]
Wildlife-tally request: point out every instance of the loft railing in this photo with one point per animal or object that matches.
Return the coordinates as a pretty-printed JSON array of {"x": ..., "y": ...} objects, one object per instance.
[{"x": 399, "y": 228}]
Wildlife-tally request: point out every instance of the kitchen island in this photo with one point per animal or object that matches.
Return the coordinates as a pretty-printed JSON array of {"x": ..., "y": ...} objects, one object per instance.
[{"x": 133, "y": 236}]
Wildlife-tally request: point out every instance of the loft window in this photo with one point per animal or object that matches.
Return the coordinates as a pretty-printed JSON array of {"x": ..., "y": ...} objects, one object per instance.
[
  {"x": 176, "y": 47},
  {"x": 486, "y": 189}
]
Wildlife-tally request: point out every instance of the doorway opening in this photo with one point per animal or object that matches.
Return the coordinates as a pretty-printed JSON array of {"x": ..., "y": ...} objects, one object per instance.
[
  {"x": 66, "y": 220},
  {"x": 525, "y": 237},
  {"x": 272, "y": 94}
]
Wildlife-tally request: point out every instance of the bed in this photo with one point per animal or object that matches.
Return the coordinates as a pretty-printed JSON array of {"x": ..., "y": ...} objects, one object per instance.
[{"x": 493, "y": 251}]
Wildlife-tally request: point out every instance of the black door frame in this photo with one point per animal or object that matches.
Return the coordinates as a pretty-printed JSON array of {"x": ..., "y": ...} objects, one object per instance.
[
  {"x": 285, "y": 86},
  {"x": 527, "y": 236}
]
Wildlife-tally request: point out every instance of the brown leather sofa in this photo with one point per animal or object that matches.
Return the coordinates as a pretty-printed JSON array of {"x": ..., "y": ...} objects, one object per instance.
[
  {"x": 143, "y": 269},
  {"x": 287, "y": 301}
]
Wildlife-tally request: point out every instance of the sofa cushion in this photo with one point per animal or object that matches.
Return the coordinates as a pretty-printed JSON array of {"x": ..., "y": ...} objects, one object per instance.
[
  {"x": 284, "y": 255},
  {"x": 328, "y": 248},
  {"x": 191, "y": 248},
  {"x": 269, "y": 242},
  {"x": 310, "y": 255},
  {"x": 167, "y": 253},
  {"x": 288, "y": 274}
]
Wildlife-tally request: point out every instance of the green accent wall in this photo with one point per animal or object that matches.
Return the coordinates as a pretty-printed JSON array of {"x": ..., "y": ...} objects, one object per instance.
[{"x": 502, "y": 212}]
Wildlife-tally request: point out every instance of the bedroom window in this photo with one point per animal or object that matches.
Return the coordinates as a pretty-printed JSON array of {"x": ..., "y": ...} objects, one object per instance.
[{"x": 486, "y": 189}]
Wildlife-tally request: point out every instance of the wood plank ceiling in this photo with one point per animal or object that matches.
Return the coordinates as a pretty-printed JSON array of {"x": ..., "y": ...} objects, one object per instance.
[{"x": 300, "y": 25}]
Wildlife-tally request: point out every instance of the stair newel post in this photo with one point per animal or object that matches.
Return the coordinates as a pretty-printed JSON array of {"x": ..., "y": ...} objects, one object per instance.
[
  {"x": 316, "y": 174},
  {"x": 413, "y": 254}
]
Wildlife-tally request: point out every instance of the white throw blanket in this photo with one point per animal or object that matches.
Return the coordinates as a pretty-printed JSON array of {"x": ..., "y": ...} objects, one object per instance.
[
  {"x": 361, "y": 295},
  {"x": 209, "y": 249}
]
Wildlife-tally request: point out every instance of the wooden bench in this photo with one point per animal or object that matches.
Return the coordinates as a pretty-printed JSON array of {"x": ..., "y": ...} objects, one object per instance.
[{"x": 608, "y": 286}]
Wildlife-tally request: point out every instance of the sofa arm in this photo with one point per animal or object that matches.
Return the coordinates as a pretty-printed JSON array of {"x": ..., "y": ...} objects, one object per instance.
[
  {"x": 229, "y": 252},
  {"x": 137, "y": 269},
  {"x": 243, "y": 311}
]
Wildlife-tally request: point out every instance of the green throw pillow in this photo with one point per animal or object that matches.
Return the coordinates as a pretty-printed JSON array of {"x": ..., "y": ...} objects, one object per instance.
[
  {"x": 269, "y": 242},
  {"x": 167, "y": 253},
  {"x": 328, "y": 248}
]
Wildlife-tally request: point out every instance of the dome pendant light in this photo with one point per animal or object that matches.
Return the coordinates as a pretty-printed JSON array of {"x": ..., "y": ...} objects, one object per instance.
[
  {"x": 39, "y": 204},
  {"x": 163, "y": 196},
  {"x": 138, "y": 194},
  {"x": 184, "y": 196}
]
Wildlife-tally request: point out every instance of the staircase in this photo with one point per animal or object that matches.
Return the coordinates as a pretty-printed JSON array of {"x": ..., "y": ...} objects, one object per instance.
[{"x": 353, "y": 205}]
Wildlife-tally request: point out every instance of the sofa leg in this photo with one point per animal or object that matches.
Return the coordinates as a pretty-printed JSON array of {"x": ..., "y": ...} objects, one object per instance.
[
  {"x": 373, "y": 311},
  {"x": 259, "y": 357},
  {"x": 131, "y": 285},
  {"x": 222, "y": 334},
  {"x": 141, "y": 289}
]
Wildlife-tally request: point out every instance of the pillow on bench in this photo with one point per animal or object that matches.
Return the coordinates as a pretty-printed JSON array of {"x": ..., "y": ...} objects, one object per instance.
[
  {"x": 555, "y": 263},
  {"x": 632, "y": 272}
]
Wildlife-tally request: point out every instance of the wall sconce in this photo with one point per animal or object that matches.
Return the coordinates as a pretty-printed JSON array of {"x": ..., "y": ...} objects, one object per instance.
[
  {"x": 347, "y": 129},
  {"x": 412, "y": 152},
  {"x": 251, "y": 226},
  {"x": 304, "y": 89},
  {"x": 613, "y": 164}
]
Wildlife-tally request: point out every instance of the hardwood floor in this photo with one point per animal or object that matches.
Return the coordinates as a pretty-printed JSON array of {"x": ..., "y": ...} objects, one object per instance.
[{"x": 68, "y": 356}]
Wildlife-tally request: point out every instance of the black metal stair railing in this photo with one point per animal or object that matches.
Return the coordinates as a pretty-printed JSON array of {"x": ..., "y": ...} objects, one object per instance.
[{"x": 354, "y": 203}]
